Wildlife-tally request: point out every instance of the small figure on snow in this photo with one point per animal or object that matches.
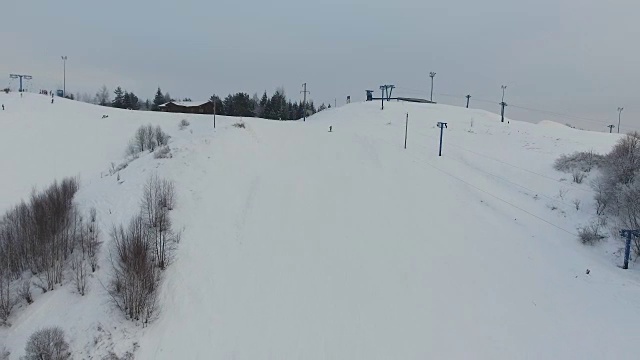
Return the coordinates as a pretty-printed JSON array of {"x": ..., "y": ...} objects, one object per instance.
[
  {"x": 52, "y": 100},
  {"x": 2, "y": 106},
  {"x": 588, "y": 272},
  {"x": 330, "y": 128}
]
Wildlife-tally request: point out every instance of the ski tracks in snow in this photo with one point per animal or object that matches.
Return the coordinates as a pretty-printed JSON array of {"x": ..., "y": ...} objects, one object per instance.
[{"x": 245, "y": 212}]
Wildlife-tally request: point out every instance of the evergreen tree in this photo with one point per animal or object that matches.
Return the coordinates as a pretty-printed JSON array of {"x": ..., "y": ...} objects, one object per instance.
[
  {"x": 157, "y": 100},
  {"x": 126, "y": 101},
  {"x": 219, "y": 106},
  {"x": 134, "y": 102},
  {"x": 119, "y": 98},
  {"x": 264, "y": 101}
]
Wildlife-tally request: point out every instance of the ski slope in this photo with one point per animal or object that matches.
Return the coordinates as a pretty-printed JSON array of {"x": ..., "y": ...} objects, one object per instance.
[{"x": 299, "y": 243}]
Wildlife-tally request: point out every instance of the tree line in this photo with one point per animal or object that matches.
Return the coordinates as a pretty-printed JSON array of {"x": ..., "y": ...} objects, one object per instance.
[{"x": 275, "y": 107}]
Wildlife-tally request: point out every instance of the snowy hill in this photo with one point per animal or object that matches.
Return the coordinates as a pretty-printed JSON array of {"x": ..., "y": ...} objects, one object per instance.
[{"x": 299, "y": 243}]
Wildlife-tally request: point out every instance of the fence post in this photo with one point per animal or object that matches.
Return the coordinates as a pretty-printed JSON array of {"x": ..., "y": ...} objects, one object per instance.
[
  {"x": 406, "y": 128},
  {"x": 441, "y": 125}
]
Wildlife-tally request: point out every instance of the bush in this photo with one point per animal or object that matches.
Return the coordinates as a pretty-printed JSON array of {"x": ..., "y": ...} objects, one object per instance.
[
  {"x": 146, "y": 138},
  {"x": 134, "y": 284},
  {"x": 7, "y": 299},
  {"x": 591, "y": 234},
  {"x": 25, "y": 292},
  {"x": 39, "y": 235},
  {"x": 162, "y": 152},
  {"x": 578, "y": 176},
  {"x": 183, "y": 124},
  {"x": 578, "y": 161},
  {"x": 142, "y": 250},
  {"x": 239, "y": 125},
  {"x": 49, "y": 344}
]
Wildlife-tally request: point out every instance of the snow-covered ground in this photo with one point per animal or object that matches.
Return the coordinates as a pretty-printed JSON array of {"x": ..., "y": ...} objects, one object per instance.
[{"x": 300, "y": 243}]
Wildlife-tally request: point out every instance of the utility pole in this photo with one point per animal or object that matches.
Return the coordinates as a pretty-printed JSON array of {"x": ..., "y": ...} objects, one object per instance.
[
  {"x": 382, "y": 89},
  {"x": 468, "y": 97},
  {"x": 406, "y": 128},
  {"x": 64, "y": 76},
  {"x": 214, "y": 112},
  {"x": 335, "y": 102},
  {"x": 304, "y": 102},
  {"x": 610, "y": 128},
  {"x": 619, "y": 115},
  {"x": 502, "y": 103},
  {"x": 17, "y": 76},
  {"x": 432, "y": 75}
]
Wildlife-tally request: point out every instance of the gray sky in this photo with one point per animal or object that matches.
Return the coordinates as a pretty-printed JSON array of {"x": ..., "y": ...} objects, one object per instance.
[{"x": 573, "y": 57}]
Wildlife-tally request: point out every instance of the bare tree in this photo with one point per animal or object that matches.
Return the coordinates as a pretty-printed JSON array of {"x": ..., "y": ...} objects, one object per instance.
[
  {"x": 79, "y": 267},
  {"x": 141, "y": 138},
  {"x": 47, "y": 344},
  {"x": 25, "y": 292},
  {"x": 133, "y": 286},
  {"x": 157, "y": 201},
  {"x": 161, "y": 137},
  {"x": 150, "y": 138},
  {"x": 102, "y": 96},
  {"x": 7, "y": 299}
]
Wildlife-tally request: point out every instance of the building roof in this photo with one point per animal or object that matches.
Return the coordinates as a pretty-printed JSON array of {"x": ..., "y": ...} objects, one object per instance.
[{"x": 186, "y": 103}]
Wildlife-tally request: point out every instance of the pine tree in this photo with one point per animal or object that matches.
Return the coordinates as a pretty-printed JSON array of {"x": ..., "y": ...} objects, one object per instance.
[
  {"x": 157, "y": 100},
  {"x": 134, "y": 102},
  {"x": 264, "y": 109},
  {"x": 126, "y": 101},
  {"x": 119, "y": 98},
  {"x": 218, "y": 105}
]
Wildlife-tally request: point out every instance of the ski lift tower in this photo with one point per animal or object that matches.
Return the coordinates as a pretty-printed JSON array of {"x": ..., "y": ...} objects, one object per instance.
[{"x": 16, "y": 76}]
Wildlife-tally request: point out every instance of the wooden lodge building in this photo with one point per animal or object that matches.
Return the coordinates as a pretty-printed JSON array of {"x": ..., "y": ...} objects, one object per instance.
[{"x": 188, "y": 107}]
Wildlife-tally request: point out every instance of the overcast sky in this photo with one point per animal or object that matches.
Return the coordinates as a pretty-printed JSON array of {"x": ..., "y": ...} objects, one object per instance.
[{"x": 573, "y": 57}]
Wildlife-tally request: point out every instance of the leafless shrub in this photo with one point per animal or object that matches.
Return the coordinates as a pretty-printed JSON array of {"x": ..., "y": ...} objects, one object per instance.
[
  {"x": 578, "y": 176},
  {"x": 7, "y": 299},
  {"x": 150, "y": 136},
  {"x": 141, "y": 139},
  {"x": 579, "y": 161},
  {"x": 39, "y": 235},
  {"x": 24, "y": 291},
  {"x": 79, "y": 267},
  {"x": 47, "y": 344},
  {"x": 162, "y": 152},
  {"x": 591, "y": 234},
  {"x": 158, "y": 199},
  {"x": 239, "y": 124},
  {"x": 147, "y": 138},
  {"x": 576, "y": 202},
  {"x": 132, "y": 148},
  {"x": 183, "y": 124},
  {"x": 562, "y": 193},
  {"x": 134, "y": 284},
  {"x": 160, "y": 136}
]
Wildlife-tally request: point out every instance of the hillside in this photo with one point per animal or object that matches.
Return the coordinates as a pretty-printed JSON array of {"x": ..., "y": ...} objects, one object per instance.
[{"x": 303, "y": 243}]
